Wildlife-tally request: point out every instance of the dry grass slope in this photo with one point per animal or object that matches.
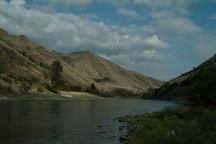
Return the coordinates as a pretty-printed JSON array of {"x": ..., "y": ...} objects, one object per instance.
[{"x": 24, "y": 62}]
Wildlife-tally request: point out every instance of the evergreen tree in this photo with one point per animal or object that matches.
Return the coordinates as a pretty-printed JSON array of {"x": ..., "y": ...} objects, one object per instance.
[
  {"x": 93, "y": 88},
  {"x": 56, "y": 71}
]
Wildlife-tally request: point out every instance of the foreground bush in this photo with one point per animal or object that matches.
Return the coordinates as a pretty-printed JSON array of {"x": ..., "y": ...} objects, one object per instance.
[{"x": 187, "y": 126}]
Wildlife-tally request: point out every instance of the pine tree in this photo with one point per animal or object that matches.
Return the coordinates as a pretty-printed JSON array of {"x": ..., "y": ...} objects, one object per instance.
[{"x": 56, "y": 74}]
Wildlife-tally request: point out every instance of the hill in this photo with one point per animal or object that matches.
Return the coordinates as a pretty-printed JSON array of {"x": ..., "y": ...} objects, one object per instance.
[
  {"x": 25, "y": 65},
  {"x": 197, "y": 85}
]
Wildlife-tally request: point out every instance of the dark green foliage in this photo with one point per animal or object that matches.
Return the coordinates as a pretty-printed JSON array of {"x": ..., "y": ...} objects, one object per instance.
[
  {"x": 31, "y": 59},
  {"x": 56, "y": 71},
  {"x": 3, "y": 66},
  {"x": 7, "y": 79},
  {"x": 6, "y": 90},
  {"x": 186, "y": 126},
  {"x": 30, "y": 80},
  {"x": 46, "y": 66},
  {"x": 68, "y": 87},
  {"x": 24, "y": 53},
  {"x": 76, "y": 88},
  {"x": 24, "y": 88},
  {"x": 120, "y": 93},
  {"x": 40, "y": 89},
  {"x": 49, "y": 88},
  {"x": 202, "y": 90},
  {"x": 93, "y": 88}
]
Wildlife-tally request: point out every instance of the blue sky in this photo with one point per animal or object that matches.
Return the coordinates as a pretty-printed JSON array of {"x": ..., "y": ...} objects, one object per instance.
[{"x": 159, "y": 38}]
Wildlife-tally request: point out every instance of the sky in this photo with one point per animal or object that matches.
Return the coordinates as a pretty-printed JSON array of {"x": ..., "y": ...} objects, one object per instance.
[{"x": 158, "y": 38}]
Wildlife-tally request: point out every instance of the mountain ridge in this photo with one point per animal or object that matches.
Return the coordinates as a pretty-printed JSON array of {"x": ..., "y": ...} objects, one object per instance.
[
  {"x": 181, "y": 86},
  {"x": 26, "y": 62}
]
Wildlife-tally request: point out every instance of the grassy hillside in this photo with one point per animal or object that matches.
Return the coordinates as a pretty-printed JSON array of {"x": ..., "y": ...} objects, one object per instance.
[
  {"x": 25, "y": 67},
  {"x": 196, "y": 86}
]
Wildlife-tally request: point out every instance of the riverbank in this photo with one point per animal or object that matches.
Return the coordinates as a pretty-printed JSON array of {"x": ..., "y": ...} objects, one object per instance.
[
  {"x": 63, "y": 95},
  {"x": 79, "y": 95},
  {"x": 182, "y": 126}
]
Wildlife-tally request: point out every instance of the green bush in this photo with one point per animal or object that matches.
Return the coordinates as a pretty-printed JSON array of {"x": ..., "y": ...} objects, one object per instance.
[
  {"x": 40, "y": 89},
  {"x": 7, "y": 79},
  {"x": 31, "y": 59},
  {"x": 24, "y": 88},
  {"x": 24, "y": 53},
  {"x": 69, "y": 87},
  {"x": 26, "y": 79},
  {"x": 202, "y": 90},
  {"x": 6, "y": 90},
  {"x": 186, "y": 126}
]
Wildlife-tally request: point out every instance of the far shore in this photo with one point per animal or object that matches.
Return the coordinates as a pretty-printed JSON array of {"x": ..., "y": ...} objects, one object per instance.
[{"x": 63, "y": 96}]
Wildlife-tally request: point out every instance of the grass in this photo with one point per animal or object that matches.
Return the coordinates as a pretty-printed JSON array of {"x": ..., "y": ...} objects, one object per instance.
[{"x": 184, "y": 126}]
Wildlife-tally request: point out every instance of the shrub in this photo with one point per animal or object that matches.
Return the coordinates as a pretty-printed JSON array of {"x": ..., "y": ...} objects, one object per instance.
[
  {"x": 7, "y": 79},
  {"x": 92, "y": 89},
  {"x": 184, "y": 126},
  {"x": 6, "y": 90},
  {"x": 40, "y": 89},
  {"x": 24, "y": 53},
  {"x": 46, "y": 66},
  {"x": 69, "y": 87},
  {"x": 31, "y": 59},
  {"x": 30, "y": 80},
  {"x": 24, "y": 88}
]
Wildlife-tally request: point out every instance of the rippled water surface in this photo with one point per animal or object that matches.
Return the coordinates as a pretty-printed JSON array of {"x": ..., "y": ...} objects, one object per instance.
[{"x": 69, "y": 122}]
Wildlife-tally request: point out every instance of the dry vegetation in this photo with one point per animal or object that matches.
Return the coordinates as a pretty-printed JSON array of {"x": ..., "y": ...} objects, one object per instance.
[{"x": 25, "y": 67}]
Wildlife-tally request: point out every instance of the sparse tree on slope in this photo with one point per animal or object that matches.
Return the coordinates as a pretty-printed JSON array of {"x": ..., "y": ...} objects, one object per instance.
[{"x": 56, "y": 74}]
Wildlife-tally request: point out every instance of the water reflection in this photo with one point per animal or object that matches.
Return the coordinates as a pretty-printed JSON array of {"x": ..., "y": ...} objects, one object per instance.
[{"x": 77, "y": 122}]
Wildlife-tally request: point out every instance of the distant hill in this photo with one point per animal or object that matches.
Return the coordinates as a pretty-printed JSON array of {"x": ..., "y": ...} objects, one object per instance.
[
  {"x": 198, "y": 84},
  {"x": 24, "y": 63}
]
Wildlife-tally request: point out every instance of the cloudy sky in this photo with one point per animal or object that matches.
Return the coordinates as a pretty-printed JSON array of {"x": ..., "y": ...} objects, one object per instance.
[{"x": 159, "y": 38}]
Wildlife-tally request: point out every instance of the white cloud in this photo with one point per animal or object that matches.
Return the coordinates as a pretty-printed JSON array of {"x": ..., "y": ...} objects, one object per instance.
[
  {"x": 179, "y": 6},
  {"x": 178, "y": 25},
  {"x": 70, "y": 32},
  {"x": 155, "y": 41},
  {"x": 128, "y": 13},
  {"x": 80, "y": 3},
  {"x": 153, "y": 4},
  {"x": 131, "y": 47},
  {"x": 17, "y": 3},
  {"x": 84, "y": 3}
]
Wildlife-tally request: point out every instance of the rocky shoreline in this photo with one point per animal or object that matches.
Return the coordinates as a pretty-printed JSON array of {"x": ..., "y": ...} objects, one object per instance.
[{"x": 127, "y": 129}]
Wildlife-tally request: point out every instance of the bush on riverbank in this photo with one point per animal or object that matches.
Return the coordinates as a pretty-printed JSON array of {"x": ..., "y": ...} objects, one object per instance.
[{"x": 185, "y": 126}]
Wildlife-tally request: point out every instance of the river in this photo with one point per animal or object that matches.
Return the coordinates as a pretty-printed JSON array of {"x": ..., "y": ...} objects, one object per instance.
[{"x": 69, "y": 122}]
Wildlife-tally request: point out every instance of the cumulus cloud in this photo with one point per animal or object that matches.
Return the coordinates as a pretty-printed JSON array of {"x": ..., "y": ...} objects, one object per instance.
[
  {"x": 17, "y": 2},
  {"x": 155, "y": 41},
  {"x": 80, "y": 3},
  {"x": 84, "y": 3},
  {"x": 128, "y": 13},
  {"x": 130, "y": 46},
  {"x": 71, "y": 32}
]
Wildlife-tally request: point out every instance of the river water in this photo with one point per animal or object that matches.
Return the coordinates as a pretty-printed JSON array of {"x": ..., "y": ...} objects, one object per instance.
[{"x": 69, "y": 122}]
